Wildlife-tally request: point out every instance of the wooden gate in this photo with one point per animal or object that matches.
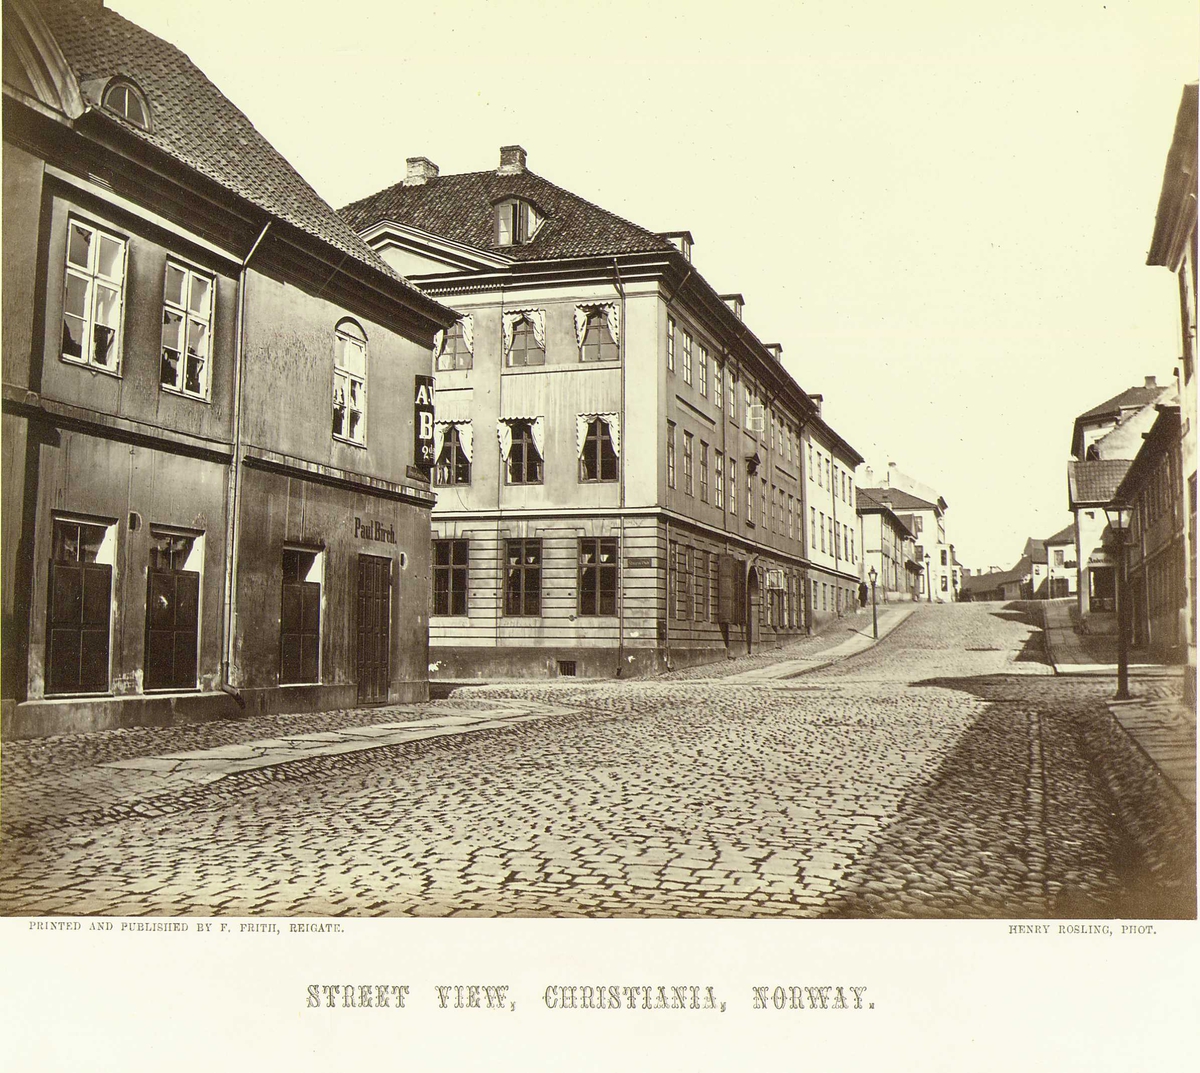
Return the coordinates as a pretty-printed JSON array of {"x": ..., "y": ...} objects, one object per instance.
[{"x": 374, "y": 628}]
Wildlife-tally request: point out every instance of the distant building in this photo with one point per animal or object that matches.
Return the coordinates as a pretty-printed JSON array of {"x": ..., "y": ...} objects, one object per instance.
[
  {"x": 1062, "y": 563},
  {"x": 1173, "y": 246},
  {"x": 889, "y": 547},
  {"x": 210, "y": 502},
  {"x": 997, "y": 585},
  {"x": 924, "y": 517},
  {"x": 628, "y": 479}
]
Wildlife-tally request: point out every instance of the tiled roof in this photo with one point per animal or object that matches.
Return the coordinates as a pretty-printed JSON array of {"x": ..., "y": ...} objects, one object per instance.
[
  {"x": 1095, "y": 482},
  {"x": 1035, "y": 550},
  {"x": 461, "y": 208},
  {"x": 193, "y": 121},
  {"x": 1132, "y": 398},
  {"x": 900, "y": 500},
  {"x": 870, "y": 500},
  {"x": 1066, "y": 535}
]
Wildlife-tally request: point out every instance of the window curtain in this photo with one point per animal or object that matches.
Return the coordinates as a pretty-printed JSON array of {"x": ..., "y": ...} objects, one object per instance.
[
  {"x": 537, "y": 429},
  {"x": 441, "y": 430},
  {"x": 614, "y": 430},
  {"x": 611, "y": 316},
  {"x": 466, "y": 439},
  {"x": 439, "y": 344},
  {"x": 536, "y": 317},
  {"x": 468, "y": 333}
]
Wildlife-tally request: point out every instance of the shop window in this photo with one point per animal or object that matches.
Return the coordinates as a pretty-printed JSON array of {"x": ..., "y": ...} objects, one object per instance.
[
  {"x": 523, "y": 579},
  {"x": 300, "y": 616},
  {"x": 598, "y": 461},
  {"x": 93, "y": 297},
  {"x": 187, "y": 331},
  {"x": 455, "y": 351},
  {"x": 454, "y": 459},
  {"x": 125, "y": 100},
  {"x": 450, "y": 576},
  {"x": 598, "y": 575},
  {"x": 79, "y": 623},
  {"x": 598, "y": 343},
  {"x": 350, "y": 383},
  {"x": 524, "y": 454},
  {"x": 173, "y": 609}
]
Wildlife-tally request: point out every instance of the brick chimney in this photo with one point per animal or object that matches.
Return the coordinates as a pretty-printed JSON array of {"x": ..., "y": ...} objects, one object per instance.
[
  {"x": 1151, "y": 381},
  {"x": 420, "y": 170},
  {"x": 512, "y": 160},
  {"x": 735, "y": 302}
]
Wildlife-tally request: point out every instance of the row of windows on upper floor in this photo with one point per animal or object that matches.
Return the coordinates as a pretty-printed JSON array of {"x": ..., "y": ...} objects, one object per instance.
[
  {"x": 94, "y": 314},
  {"x": 523, "y": 449},
  {"x": 597, "y": 330},
  {"x": 826, "y": 473}
]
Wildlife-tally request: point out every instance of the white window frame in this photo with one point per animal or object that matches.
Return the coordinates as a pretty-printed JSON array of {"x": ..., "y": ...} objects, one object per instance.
[
  {"x": 92, "y": 279},
  {"x": 188, "y": 317},
  {"x": 346, "y": 378}
]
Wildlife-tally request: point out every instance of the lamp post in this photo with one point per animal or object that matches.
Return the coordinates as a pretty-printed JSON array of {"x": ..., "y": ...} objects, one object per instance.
[
  {"x": 928, "y": 578},
  {"x": 873, "y": 574},
  {"x": 1119, "y": 521}
]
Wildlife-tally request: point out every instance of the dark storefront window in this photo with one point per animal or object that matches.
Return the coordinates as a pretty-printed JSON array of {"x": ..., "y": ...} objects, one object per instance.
[
  {"x": 450, "y": 577},
  {"x": 172, "y": 610},
  {"x": 300, "y": 617},
  {"x": 598, "y": 576},
  {"x": 523, "y": 578},
  {"x": 77, "y": 633}
]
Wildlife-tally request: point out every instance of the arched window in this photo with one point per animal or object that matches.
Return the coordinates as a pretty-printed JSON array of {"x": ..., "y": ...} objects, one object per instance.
[
  {"x": 525, "y": 349},
  {"x": 123, "y": 99},
  {"x": 598, "y": 344},
  {"x": 350, "y": 382}
]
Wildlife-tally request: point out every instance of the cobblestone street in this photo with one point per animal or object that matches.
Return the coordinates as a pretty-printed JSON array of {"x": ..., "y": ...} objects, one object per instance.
[{"x": 945, "y": 772}]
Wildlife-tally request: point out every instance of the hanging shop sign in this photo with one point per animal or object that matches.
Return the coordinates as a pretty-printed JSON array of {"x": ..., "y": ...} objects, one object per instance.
[{"x": 423, "y": 423}]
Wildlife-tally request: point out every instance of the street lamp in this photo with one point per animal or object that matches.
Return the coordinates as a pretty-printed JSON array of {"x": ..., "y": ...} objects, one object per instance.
[
  {"x": 928, "y": 578},
  {"x": 1120, "y": 519},
  {"x": 873, "y": 574}
]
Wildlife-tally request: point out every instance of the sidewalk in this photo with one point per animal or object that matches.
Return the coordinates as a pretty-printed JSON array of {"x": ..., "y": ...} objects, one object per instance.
[
  {"x": 1156, "y": 718},
  {"x": 861, "y": 638}
]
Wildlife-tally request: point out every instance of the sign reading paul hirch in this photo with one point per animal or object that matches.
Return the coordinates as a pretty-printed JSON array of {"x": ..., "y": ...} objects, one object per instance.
[{"x": 423, "y": 423}]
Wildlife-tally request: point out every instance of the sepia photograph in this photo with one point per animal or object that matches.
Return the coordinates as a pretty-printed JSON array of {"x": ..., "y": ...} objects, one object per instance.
[{"x": 595, "y": 466}]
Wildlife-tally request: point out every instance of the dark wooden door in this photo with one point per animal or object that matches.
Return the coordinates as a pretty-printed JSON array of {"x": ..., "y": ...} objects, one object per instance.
[
  {"x": 374, "y": 628},
  {"x": 80, "y": 606},
  {"x": 172, "y": 624}
]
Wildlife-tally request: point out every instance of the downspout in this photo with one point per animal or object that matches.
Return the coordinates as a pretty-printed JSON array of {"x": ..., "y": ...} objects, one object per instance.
[
  {"x": 622, "y": 353},
  {"x": 233, "y": 510}
]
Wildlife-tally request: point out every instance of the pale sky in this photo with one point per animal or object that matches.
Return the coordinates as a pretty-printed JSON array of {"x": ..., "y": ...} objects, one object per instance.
[{"x": 941, "y": 210}]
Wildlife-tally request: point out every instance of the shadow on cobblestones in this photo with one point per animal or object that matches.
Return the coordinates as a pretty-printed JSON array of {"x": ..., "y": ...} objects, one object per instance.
[{"x": 1045, "y": 808}]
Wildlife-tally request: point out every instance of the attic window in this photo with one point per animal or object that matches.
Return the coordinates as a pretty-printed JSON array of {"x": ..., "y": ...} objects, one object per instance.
[
  {"x": 128, "y": 102},
  {"x": 517, "y": 222}
]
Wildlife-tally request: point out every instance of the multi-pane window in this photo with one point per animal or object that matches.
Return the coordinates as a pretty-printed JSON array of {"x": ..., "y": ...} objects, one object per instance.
[
  {"x": 173, "y": 609},
  {"x": 762, "y": 501},
  {"x": 598, "y": 343},
  {"x": 517, "y": 222},
  {"x": 732, "y": 485},
  {"x": 450, "y": 576},
  {"x": 852, "y": 556},
  {"x": 718, "y": 385},
  {"x": 810, "y": 462},
  {"x": 719, "y": 480},
  {"x": 700, "y": 583},
  {"x": 598, "y": 461},
  {"x": 454, "y": 463},
  {"x": 93, "y": 296},
  {"x": 837, "y": 536},
  {"x": 455, "y": 354},
  {"x": 350, "y": 383},
  {"x": 121, "y": 98},
  {"x": 525, "y": 349},
  {"x": 524, "y": 458},
  {"x": 598, "y": 575},
  {"x": 791, "y": 529},
  {"x": 77, "y": 632},
  {"x": 687, "y": 357},
  {"x": 187, "y": 330},
  {"x": 732, "y": 393},
  {"x": 813, "y": 538},
  {"x": 703, "y": 472},
  {"x": 749, "y": 499},
  {"x": 689, "y": 483},
  {"x": 670, "y": 454},
  {"x": 523, "y": 577},
  {"x": 820, "y": 474},
  {"x": 683, "y": 581},
  {"x": 702, "y": 370},
  {"x": 822, "y": 531},
  {"x": 670, "y": 344},
  {"x": 300, "y": 616}
]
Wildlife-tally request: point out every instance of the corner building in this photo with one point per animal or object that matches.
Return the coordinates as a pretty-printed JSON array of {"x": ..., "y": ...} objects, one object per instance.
[
  {"x": 619, "y": 462},
  {"x": 210, "y": 499}
]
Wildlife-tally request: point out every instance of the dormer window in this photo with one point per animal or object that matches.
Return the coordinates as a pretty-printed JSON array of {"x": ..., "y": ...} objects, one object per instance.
[
  {"x": 125, "y": 100},
  {"x": 517, "y": 222}
]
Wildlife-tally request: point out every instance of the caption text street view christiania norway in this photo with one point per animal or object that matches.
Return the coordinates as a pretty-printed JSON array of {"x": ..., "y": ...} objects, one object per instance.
[{"x": 463, "y": 552}]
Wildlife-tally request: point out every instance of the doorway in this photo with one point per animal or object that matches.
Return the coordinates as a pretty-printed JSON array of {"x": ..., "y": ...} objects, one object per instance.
[{"x": 374, "y": 628}]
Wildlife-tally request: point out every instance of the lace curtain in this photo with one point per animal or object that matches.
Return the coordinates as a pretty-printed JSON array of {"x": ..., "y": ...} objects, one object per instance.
[
  {"x": 536, "y": 317},
  {"x": 611, "y": 316},
  {"x": 613, "y": 422}
]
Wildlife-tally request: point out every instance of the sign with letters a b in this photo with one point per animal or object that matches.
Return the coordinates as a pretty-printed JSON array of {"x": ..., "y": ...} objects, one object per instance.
[{"x": 423, "y": 423}]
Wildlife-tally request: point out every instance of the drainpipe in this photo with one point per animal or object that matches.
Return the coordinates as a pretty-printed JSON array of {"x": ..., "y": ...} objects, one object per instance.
[
  {"x": 622, "y": 352},
  {"x": 233, "y": 510}
]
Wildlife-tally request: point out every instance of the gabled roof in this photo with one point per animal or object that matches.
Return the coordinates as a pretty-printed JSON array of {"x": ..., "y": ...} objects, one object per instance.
[
  {"x": 1162, "y": 437},
  {"x": 870, "y": 501},
  {"x": 1066, "y": 535},
  {"x": 193, "y": 121},
  {"x": 1093, "y": 483},
  {"x": 1035, "y": 550},
  {"x": 1175, "y": 217},
  {"x": 462, "y": 208},
  {"x": 1115, "y": 410},
  {"x": 902, "y": 500}
]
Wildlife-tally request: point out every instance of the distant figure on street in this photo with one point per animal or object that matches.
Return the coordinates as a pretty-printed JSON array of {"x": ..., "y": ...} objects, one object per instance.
[{"x": 862, "y": 594}]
